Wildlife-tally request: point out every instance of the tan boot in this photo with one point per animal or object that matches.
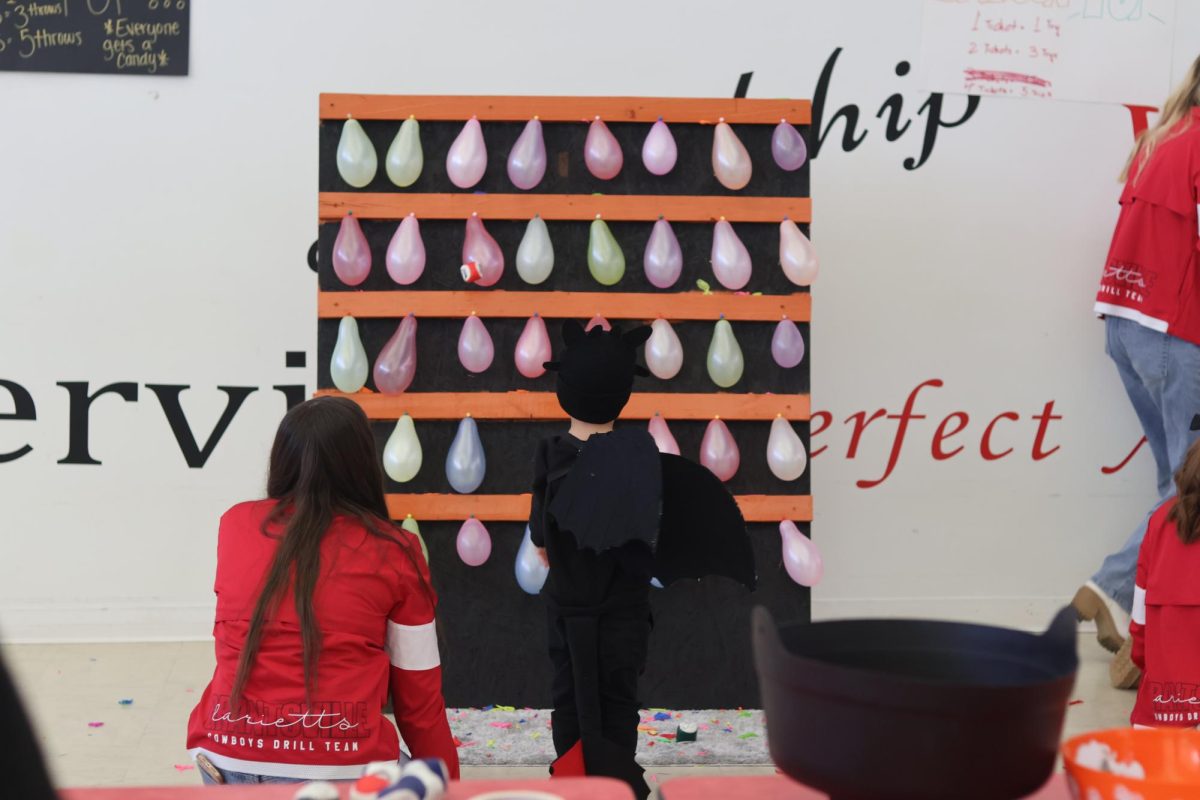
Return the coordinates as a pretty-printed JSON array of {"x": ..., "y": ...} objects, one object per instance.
[
  {"x": 1123, "y": 673},
  {"x": 1112, "y": 623}
]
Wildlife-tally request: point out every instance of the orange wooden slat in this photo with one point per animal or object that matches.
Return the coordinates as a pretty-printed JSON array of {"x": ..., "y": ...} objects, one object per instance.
[
  {"x": 544, "y": 405},
  {"x": 638, "y": 208},
  {"x": 565, "y": 305},
  {"x": 565, "y": 109},
  {"x": 515, "y": 507}
]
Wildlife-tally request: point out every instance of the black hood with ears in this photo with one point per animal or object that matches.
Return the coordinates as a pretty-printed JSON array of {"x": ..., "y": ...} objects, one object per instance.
[{"x": 596, "y": 370}]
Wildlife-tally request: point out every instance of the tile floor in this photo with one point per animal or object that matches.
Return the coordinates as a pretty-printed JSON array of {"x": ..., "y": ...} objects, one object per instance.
[{"x": 67, "y": 686}]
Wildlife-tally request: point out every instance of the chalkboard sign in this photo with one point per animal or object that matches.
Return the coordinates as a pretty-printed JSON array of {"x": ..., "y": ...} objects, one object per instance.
[{"x": 123, "y": 37}]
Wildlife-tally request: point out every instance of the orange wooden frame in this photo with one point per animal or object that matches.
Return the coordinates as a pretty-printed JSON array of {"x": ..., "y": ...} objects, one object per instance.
[
  {"x": 456, "y": 108},
  {"x": 515, "y": 507},
  {"x": 565, "y": 305},
  {"x": 544, "y": 405},
  {"x": 623, "y": 208}
]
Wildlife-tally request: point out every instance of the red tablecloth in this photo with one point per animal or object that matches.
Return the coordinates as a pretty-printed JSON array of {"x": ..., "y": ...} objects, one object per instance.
[
  {"x": 778, "y": 787},
  {"x": 566, "y": 788}
]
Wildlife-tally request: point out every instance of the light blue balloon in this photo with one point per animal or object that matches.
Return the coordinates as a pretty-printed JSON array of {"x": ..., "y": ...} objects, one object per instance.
[
  {"x": 465, "y": 463},
  {"x": 531, "y": 572},
  {"x": 654, "y": 582}
]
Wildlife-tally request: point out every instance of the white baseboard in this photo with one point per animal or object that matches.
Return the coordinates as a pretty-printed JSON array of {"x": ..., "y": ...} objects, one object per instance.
[{"x": 112, "y": 622}]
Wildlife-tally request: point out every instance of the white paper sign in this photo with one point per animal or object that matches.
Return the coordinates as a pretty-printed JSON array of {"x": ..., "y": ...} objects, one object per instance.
[{"x": 1107, "y": 51}]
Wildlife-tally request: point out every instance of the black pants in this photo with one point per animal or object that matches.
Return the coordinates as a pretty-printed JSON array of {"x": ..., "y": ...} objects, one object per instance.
[{"x": 622, "y": 641}]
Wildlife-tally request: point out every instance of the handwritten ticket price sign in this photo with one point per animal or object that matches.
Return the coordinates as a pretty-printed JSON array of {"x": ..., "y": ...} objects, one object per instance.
[
  {"x": 125, "y": 37},
  {"x": 1109, "y": 51}
]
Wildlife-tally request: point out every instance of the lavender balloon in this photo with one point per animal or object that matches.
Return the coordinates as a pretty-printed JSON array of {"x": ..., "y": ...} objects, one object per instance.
[
  {"x": 787, "y": 344},
  {"x": 788, "y": 147},
  {"x": 602, "y": 152},
  {"x": 663, "y": 261},
  {"x": 718, "y": 450},
  {"x": 659, "y": 152},
  {"x": 480, "y": 247},
  {"x": 663, "y": 438},
  {"x": 801, "y": 558},
  {"x": 530, "y": 570},
  {"x": 466, "y": 160},
  {"x": 406, "y": 252},
  {"x": 473, "y": 543},
  {"x": 533, "y": 348},
  {"x": 351, "y": 253},
  {"x": 730, "y": 258},
  {"x": 527, "y": 159},
  {"x": 397, "y": 362},
  {"x": 465, "y": 462},
  {"x": 475, "y": 348}
]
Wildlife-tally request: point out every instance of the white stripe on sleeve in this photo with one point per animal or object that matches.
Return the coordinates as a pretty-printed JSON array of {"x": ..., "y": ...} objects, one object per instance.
[
  {"x": 1139, "y": 605},
  {"x": 413, "y": 647}
]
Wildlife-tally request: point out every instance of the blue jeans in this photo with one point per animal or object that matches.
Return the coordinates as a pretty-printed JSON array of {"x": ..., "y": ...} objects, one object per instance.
[
  {"x": 245, "y": 777},
  {"x": 1161, "y": 374}
]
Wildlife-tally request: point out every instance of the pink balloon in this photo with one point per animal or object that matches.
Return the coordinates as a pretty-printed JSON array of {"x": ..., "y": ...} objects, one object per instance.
[
  {"x": 719, "y": 452},
  {"x": 475, "y": 348},
  {"x": 663, "y": 261},
  {"x": 730, "y": 161},
  {"x": 406, "y": 252},
  {"x": 801, "y": 558},
  {"x": 527, "y": 159},
  {"x": 598, "y": 320},
  {"x": 480, "y": 247},
  {"x": 602, "y": 151},
  {"x": 787, "y": 345},
  {"x": 788, "y": 147},
  {"x": 533, "y": 348},
  {"x": 351, "y": 253},
  {"x": 466, "y": 160},
  {"x": 474, "y": 545},
  {"x": 730, "y": 258},
  {"x": 662, "y": 435},
  {"x": 659, "y": 151},
  {"x": 397, "y": 362}
]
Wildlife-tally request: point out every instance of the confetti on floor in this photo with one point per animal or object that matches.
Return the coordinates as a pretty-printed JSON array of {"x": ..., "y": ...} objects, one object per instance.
[
  {"x": 95, "y": 724},
  {"x": 128, "y": 701},
  {"x": 184, "y": 767}
]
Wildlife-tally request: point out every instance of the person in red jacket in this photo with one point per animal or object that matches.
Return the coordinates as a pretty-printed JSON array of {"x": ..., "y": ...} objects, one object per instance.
[
  {"x": 1165, "y": 627},
  {"x": 324, "y": 609}
]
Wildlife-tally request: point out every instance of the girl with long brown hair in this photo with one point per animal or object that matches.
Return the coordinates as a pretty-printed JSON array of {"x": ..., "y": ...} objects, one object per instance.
[
  {"x": 324, "y": 609},
  {"x": 1150, "y": 299}
]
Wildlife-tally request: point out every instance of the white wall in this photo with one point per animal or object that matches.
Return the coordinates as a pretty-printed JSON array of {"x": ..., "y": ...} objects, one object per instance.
[{"x": 154, "y": 230}]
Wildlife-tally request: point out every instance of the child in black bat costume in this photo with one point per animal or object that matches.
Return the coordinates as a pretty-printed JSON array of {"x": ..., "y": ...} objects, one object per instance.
[{"x": 607, "y": 508}]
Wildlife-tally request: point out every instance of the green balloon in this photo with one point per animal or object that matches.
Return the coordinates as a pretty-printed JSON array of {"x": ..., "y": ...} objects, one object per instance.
[
  {"x": 725, "y": 361},
  {"x": 606, "y": 262},
  {"x": 405, "y": 159},
  {"x": 411, "y": 526}
]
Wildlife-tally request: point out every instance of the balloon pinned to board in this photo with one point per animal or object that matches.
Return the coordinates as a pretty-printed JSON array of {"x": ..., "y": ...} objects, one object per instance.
[
  {"x": 663, "y": 260},
  {"x": 787, "y": 344},
  {"x": 473, "y": 543},
  {"x": 530, "y": 570},
  {"x": 664, "y": 351},
  {"x": 527, "y": 159},
  {"x": 659, "y": 151},
  {"x": 718, "y": 450},
  {"x": 466, "y": 161},
  {"x": 405, "y": 257},
  {"x": 397, "y": 362},
  {"x": 788, "y": 147},
  {"x": 412, "y": 527},
  {"x": 351, "y": 252},
  {"x": 356, "y": 159},
  {"x": 598, "y": 321},
  {"x": 475, "y": 348},
  {"x": 661, "y": 433},
  {"x": 402, "y": 454},
  {"x": 405, "y": 159},
  {"x": 730, "y": 258},
  {"x": 480, "y": 248},
  {"x": 801, "y": 558},
  {"x": 725, "y": 360},
  {"x": 533, "y": 348},
  {"x": 605, "y": 259},
  {"x": 730, "y": 161},
  {"x": 602, "y": 152},
  {"x": 466, "y": 463},
  {"x": 786, "y": 456},
  {"x": 348, "y": 368},
  {"x": 535, "y": 254},
  {"x": 796, "y": 254}
]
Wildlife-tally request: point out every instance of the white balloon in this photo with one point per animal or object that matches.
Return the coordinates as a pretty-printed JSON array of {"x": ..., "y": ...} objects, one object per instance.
[
  {"x": 348, "y": 368},
  {"x": 402, "y": 453},
  {"x": 664, "y": 351},
  {"x": 356, "y": 159},
  {"x": 405, "y": 160},
  {"x": 535, "y": 255},
  {"x": 785, "y": 451}
]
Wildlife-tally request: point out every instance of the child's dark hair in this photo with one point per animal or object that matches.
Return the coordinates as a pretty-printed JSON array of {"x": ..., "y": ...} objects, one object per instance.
[{"x": 1186, "y": 512}]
